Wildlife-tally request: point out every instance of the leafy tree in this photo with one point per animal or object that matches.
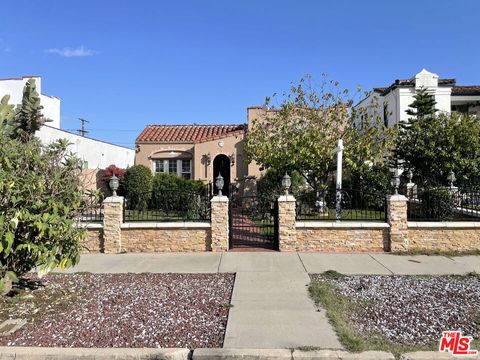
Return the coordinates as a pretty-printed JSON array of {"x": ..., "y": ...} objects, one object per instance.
[
  {"x": 29, "y": 117},
  {"x": 41, "y": 198},
  {"x": 7, "y": 115},
  {"x": 300, "y": 133},
  {"x": 137, "y": 182},
  {"x": 433, "y": 146}
]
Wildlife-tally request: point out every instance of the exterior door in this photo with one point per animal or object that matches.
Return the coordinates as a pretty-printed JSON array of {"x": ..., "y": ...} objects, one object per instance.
[{"x": 221, "y": 165}]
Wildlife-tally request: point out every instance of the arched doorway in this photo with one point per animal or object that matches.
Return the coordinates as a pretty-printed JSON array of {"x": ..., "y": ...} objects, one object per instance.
[{"x": 221, "y": 165}]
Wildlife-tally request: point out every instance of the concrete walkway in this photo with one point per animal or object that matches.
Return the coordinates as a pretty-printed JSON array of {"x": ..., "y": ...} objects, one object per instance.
[{"x": 271, "y": 306}]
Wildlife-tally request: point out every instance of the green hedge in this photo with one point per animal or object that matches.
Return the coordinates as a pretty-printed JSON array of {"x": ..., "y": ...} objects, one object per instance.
[
  {"x": 137, "y": 183},
  {"x": 437, "y": 203}
]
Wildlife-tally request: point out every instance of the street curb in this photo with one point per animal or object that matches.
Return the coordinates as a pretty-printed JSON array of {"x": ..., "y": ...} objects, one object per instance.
[
  {"x": 244, "y": 354},
  {"x": 341, "y": 355},
  {"x": 285, "y": 354},
  {"x": 44, "y": 353},
  {"x": 39, "y": 353},
  {"x": 433, "y": 355}
]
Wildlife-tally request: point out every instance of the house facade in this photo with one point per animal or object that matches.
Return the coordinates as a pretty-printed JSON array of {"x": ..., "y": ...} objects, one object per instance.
[
  {"x": 199, "y": 152},
  {"x": 390, "y": 103}
]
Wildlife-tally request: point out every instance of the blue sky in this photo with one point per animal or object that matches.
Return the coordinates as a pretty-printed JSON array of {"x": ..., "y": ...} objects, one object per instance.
[{"x": 126, "y": 64}]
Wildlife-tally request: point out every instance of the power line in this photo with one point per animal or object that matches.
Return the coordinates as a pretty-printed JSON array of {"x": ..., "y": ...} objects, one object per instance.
[
  {"x": 109, "y": 130},
  {"x": 82, "y": 131}
]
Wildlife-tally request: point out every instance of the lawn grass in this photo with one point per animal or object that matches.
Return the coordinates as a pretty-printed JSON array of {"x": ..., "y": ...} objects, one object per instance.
[{"x": 338, "y": 310}]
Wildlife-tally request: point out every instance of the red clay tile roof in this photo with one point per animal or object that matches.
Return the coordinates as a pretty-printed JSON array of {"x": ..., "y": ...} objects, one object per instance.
[
  {"x": 466, "y": 90},
  {"x": 187, "y": 133}
]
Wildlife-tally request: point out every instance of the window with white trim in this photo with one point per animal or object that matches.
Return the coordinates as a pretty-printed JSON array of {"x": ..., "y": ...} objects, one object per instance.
[
  {"x": 181, "y": 167},
  {"x": 172, "y": 166},
  {"x": 187, "y": 169},
  {"x": 159, "y": 166}
]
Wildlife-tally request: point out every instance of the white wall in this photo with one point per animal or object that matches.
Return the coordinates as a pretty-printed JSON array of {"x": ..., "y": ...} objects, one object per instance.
[
  {"x": 399, "y": 99},
  {"x": 14, "y": 88},
  {"x": 96, "y": 153}
]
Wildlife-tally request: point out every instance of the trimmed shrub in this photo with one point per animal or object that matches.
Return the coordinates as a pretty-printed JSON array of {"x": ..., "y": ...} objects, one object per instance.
[
  {"x": 171, "y": 193},
  {"x": 137, "y": 183},
  {"x": 437, "y": 203}
]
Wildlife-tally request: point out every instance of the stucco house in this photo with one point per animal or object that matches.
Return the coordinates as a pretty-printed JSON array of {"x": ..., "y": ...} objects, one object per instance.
[
  {"x": 199, "y": 152},
  {"x": 391, "y": 102}
]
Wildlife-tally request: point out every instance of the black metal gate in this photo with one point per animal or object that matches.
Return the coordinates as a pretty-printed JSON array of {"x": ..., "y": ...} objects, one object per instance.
[{"x": 253, "y": 222}]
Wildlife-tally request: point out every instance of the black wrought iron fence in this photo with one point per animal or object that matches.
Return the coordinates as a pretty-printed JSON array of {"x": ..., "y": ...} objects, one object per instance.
[
  {"x": 92, "y": 210},
  {"x": 354, "y": 205},
  {"x": 444, "y": 204},
  {"x": 164, "y": 205}
]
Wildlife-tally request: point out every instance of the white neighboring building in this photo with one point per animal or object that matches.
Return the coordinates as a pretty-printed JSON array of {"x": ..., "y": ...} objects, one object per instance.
[
  {"x": 14, "y": 88},
  {"x": 391, "y": 103},
  {"x": 96, "y": 154}
]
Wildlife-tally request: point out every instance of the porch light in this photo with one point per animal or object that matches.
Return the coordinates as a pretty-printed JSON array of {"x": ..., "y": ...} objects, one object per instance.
[
  {"x": 395, "y": 182},
  {"x": 286, "y": 183},
  {"x": 451, "y": 178},
  {"x": 113, "y": 183},
  {"x": 219, "y": 184},
  {"x": 410, "y": 176}
]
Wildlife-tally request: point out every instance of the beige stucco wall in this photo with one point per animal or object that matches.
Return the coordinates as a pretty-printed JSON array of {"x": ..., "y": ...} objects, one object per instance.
[
  {"x": 229, "y": 146},
  {"x": 147, "y": 152},
  {"x": 256, "y": 114}
]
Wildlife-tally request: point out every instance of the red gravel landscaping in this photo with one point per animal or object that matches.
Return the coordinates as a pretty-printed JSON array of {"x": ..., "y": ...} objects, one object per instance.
[{"x": 121, "y": 310}]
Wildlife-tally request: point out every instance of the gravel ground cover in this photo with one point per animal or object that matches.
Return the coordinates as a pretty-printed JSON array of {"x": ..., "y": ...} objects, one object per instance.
[
  {"x": 410, "y": 310},
  {"x": 120, "y": 310}
]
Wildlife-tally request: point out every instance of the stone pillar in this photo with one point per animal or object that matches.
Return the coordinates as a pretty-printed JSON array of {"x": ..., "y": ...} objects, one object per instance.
[
  {"x": 112, "y": 224},
  {"x": 397, "y": 218},
  {"x": 219, "y": 223},
  {"x": 287, "y": 230}
]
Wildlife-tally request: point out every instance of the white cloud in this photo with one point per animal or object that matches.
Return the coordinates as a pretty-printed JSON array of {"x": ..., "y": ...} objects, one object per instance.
[{"x": 79, "y": 51}]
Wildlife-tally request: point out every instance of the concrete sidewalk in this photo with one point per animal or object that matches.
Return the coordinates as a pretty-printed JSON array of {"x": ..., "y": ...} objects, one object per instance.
[
  {"x": 206, "y": 262},
  {"x": 271, "y": 307}
]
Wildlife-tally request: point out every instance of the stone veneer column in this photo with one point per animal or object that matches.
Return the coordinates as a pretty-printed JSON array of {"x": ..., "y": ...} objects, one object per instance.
[
  {"x": 287, "y": 231},
  {"x": 219, "y": 223},
  {"x": 112, "y": 224},
  {"x": 397, "y": 218}
]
